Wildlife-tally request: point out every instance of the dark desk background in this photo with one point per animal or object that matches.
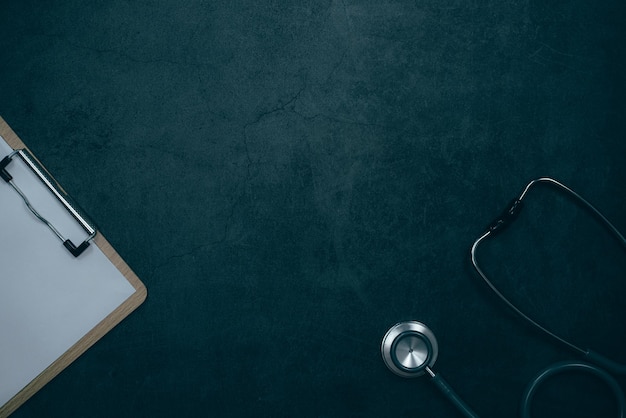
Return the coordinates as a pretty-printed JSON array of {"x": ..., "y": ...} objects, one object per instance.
[{"x": 290, "y": 179}]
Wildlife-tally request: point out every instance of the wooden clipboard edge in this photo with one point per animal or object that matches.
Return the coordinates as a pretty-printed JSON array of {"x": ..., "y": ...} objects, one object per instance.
[
  {"x": 114, "y": 318},
  {"x": 9, "y": 136}
]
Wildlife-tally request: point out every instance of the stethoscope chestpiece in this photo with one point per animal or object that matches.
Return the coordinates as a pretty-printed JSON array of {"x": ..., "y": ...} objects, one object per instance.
[{"x": 408, "y": 348}]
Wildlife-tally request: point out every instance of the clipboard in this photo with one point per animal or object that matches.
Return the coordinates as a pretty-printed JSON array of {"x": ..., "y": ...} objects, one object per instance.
[{"x": 61, "y": 297}]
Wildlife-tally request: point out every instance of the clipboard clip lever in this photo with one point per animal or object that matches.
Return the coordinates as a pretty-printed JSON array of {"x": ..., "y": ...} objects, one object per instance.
[{"x": 57, "y": 191}]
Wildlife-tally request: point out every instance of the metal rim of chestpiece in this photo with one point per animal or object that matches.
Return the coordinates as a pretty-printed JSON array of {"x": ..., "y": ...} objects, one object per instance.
[{"x": 409, "y": 348}]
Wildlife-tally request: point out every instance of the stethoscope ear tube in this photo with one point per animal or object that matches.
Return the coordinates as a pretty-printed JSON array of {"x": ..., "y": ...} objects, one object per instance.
[{"x": 503, "y": 221}]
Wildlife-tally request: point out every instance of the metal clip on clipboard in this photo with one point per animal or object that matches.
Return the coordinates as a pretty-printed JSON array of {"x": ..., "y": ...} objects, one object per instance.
[{"x": 56, "y": 190}]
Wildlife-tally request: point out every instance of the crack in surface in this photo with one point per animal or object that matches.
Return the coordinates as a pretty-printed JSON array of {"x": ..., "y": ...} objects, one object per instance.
[{"x": 243, "y": 189}]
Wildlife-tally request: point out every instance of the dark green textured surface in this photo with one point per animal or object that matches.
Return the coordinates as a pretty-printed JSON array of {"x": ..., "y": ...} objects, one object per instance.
[{"x": 291, "y": 179}]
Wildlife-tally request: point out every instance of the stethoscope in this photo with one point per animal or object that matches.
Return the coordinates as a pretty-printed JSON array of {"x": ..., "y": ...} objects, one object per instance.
[{"x": 410, "y": 349}]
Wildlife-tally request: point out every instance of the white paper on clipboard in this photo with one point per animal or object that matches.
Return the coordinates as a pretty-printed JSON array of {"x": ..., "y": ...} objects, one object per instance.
[{"x": 49, "y": 299}]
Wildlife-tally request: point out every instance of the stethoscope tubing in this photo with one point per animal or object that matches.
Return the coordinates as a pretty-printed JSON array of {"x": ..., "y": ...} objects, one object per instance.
[
  {"x": 505, "y": 219},
  {"x": 447, "y": 391},
  {"x": 428, "y": 342},
  {"x": 511, "y": 306},
  {"x": 571, "y": 366}
]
